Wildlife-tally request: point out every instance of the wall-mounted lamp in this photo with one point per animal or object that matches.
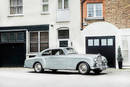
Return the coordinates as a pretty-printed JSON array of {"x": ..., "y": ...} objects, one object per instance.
[{"x": 52, "y": 25}]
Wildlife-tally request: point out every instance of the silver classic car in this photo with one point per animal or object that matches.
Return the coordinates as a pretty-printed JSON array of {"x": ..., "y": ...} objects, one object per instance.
[{"x": 66, "y": 59}]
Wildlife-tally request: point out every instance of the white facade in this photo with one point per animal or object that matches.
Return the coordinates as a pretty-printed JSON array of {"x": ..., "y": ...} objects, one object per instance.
[
  {"x": 63, "y": 19},
  {"x": 125, "y": 45},
  {"x": 57, "y": 19}
]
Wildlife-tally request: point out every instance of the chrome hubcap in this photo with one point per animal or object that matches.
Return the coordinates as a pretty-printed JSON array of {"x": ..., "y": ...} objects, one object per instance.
[
  {"x": 83, "y": 68},
  {"x": 38, "y": 67}
]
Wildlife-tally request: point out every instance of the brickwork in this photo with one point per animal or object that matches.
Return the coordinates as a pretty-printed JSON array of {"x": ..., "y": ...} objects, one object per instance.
[{"x": 116, "y": 12}]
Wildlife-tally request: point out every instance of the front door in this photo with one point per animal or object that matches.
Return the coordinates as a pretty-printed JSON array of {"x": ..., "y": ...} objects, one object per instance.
[{"x": 55, "y": 59}]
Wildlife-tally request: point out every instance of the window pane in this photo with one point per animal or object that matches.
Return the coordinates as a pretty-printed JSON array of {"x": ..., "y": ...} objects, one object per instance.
[
  {"x": 103, "y": 42},
  {"x": 12, "y": 37},
  {"x": 19, "y": 2},
  {"x": 13, "y": 3},
  {"x": 110, "y": 42},
  {"x": 45, "y": 0},
  {"x": 34, "y": 37},
  {"x": 48, "y": 52},
  {"x": 33, "y": 41},
  {"x": 90, "y": 10},
  {"x": 4, "y": 37},
  {"x": 44, "y": 40},
  {"x": 44, "y": 37},
  {"x": 63, "y": 34},
  {"x": 98, "y": 9},
  {"x": 20, "y": 36},
  {"x": 96, "y": 42},
  {"x": 90, "y": 42},
  {"x": 43, "y": 46},
  {"x": 66, "y": 4},
  {"x": 45, "y": 7},
  {"x": 34, "y": 47},
  {"x": 63, "y": 43},
  {"x": 59, "y": 4},
  {"x": 13, "y": 10},
  {"x": 19, "y": 10}
]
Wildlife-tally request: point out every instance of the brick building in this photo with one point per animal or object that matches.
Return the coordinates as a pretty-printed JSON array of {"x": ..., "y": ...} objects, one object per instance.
[
  {"x": 116, "y": 12},
  {"x": 106, "y": 26}
]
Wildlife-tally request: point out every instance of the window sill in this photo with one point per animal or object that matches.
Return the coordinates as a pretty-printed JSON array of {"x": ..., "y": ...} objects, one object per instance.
[
  {"x": 62, "y": 21},
  {"x": 63, "y": 9},
  {"x": 45, "y": 13},
  {"x": 94, "y": 18},
  {"x": 15, "y": 15}
]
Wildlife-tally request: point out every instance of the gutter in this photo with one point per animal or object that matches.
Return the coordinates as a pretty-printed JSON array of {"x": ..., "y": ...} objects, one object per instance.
[{"x": 82, "y": 2}]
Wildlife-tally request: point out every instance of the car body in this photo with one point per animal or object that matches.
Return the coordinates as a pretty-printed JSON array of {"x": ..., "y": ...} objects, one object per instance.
[{"x": 66, "y": 59}]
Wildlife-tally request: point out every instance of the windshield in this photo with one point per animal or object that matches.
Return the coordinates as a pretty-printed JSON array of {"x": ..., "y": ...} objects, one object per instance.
[{"x": 71, "y": 51}]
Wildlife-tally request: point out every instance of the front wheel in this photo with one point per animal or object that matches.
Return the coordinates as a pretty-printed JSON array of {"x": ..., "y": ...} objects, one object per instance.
[
  {"x": 84, "y": 68},
  {"x": 38, "y": 67}
]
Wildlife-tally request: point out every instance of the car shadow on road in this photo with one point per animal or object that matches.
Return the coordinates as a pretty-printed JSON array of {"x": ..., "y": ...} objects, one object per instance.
[{"x": 69, "y": 73}]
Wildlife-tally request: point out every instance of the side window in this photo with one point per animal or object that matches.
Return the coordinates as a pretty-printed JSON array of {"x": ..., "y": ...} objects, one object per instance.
[
  {"x": 57, "y": 52},
  {"x": 47, "y": 53}
]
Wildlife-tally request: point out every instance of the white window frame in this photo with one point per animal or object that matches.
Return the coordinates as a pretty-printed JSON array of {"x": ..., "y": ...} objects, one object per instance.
[
  {"x": 16, "y": 14},
  {"x": 65, "y": 39},
  {"x": 94, "y": 9},
  {"x": 45, "y": 3},
  {"x": 63, "y": 5}
]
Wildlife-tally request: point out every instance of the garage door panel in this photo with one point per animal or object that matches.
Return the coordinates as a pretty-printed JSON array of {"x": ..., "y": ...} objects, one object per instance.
[
  {"x": 12, "y": 54},
  {"x": 104, "y": 45},
  {"x": 12, "y": 48}
]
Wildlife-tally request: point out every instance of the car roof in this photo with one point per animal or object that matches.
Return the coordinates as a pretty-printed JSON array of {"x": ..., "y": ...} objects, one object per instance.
[{"x": 59, "y": 48}]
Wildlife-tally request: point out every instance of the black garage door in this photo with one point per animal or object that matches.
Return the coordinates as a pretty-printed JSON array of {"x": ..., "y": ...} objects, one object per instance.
[
  {"x": 12, "y": 49},
  {"x": 104, "y": 45}
]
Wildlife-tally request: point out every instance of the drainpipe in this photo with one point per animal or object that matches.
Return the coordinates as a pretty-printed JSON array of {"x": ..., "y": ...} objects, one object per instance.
[{"x": 82, "y": 2}]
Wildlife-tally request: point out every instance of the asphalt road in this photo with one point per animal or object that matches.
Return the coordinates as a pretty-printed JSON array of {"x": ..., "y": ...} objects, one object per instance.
[{"x": 20, "y": 77}]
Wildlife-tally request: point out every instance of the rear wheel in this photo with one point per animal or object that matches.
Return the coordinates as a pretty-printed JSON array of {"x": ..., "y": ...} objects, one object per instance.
[
  {"x": 84, "y": 68},
  {"x": 38, "y": 67}
]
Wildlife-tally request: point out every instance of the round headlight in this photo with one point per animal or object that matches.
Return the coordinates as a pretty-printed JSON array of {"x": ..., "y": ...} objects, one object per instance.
[{"x": 95, "y": 59}]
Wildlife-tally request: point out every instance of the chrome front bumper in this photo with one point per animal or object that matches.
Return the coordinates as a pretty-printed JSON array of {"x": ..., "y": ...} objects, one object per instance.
[{"x": 100, "y": 65}]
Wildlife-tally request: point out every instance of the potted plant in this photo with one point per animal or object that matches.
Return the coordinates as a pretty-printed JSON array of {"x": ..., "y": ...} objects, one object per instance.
[{"x": 119, "y": 58}]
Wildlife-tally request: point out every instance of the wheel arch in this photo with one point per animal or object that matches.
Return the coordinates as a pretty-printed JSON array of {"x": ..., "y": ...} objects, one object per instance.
[{"x": 37, "y": 62}]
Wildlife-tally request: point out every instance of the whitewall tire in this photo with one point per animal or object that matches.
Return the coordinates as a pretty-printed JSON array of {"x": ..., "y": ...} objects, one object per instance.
[
  {"x": 84, "y": 68},
  {"x": 38, "y": 67}
]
